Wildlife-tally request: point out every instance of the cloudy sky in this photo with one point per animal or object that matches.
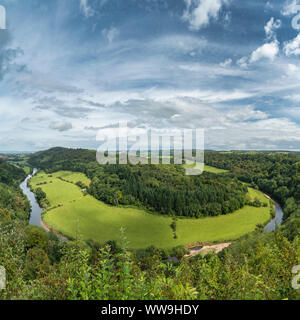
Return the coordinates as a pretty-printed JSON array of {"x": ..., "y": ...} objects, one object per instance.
[{"x": 70, "y": 67}]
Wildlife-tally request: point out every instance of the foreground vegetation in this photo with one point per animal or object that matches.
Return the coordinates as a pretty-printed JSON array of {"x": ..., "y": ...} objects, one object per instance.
[{"x": 40, "y": 267}]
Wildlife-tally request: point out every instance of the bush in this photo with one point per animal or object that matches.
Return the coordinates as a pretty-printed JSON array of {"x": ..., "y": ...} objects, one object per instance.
[
  {"x": 37, "y": 264},
  {"x": 36, "y": 237},
  {"x": 178, "y": 252},
  {"x": 40, "y": 194}
]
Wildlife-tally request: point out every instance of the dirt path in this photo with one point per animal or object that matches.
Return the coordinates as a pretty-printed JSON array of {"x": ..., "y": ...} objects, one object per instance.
[
  {"x": 48, "y": 229},
  {"x": 201, "y": 249}
]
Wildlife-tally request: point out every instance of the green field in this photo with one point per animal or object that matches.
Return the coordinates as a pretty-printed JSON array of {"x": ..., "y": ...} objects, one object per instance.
[
  {"x": 214, "y": 170},
  {"x": 87, "y": 218},
  {"x": 27, "y": 169},
  {"x": 190, "y": 164}
]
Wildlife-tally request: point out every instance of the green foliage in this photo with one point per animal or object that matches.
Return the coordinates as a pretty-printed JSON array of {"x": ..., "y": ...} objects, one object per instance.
[
  {"x": 37, "y": 264},
  {"x": 40, "y": 195},
  {"x": 257, "y": 267},
  {"x": 166, "y": 189},
  {"x": 178, "y": 252},
  {"x": 36, "y": 237},
  {"x": 56, "y": 159},
  {"x": 10, "y": 174},
  {"x": 13, "y": 204}
]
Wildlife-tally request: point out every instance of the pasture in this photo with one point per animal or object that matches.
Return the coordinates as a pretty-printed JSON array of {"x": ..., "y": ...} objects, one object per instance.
[
  {"x": 82, "y": 216},
  {"x": 190, "y": 164}
]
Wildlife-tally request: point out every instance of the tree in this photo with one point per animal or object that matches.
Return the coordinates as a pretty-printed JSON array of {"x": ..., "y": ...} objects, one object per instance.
[
  {"x": 37, "y": 264},
  {"x": 36, "y": 237}
]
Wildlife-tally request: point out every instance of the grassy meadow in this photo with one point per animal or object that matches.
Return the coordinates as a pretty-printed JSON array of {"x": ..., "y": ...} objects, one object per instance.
[
  {"x": 84, "y": 217},
  {"x": 214, "y": 170},
  {"x": 190, "y": 164}
]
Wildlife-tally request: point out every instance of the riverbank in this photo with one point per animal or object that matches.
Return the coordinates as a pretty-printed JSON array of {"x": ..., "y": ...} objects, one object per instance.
[
  {"x": 36, "y": 210},
  {"x": 269, "y": 227},
  {"x": 49, "y": 229},
  {"x": 215, "y": 248}
]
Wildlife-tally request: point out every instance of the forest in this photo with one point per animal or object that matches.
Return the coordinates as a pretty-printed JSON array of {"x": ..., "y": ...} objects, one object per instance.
[
  {"x": 164, "y": 189},
  {"x": 13, "y": 204},
  {"x": 277, "y": 174},
  {"x": 257, "y": 266},
  {"x": 167, "y": 190}
]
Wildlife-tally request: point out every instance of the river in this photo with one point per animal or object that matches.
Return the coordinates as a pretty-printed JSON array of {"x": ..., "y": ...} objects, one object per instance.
[
  {"x": 271, "y": 226},
  {"x": 36, "y": 210}
]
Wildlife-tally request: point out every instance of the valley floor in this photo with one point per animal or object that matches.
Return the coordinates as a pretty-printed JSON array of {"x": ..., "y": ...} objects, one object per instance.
[{"x": 75, "y": 215}]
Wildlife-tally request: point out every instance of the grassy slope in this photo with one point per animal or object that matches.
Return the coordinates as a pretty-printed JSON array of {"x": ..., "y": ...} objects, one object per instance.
[
  {"x": 92, "y": 219},
  {"x": 189, "y": 164},
  {"x": 214, "y": 170}
]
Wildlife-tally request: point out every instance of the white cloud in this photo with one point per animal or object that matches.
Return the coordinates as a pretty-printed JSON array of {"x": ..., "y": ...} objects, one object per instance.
[
  {"x": 266, "y": 51},
  {"x": 270, "y": 28},
  {"x": 111, "y": 34},
  {"x": 179, "y": 44},
  {"x": 61, "y": 126},
  {"x": 86, "y": 9},
  {"x": 246, "y": 113},
  {"x": 226, "y": 63},
  {"x": 223, "y": 126},
  {"x": 294, "y": 98},
  {"x": 269, "y": 5},
  {"x": 199, "y": 13},
  {"x": 290, "y": 7},
  {"x": 292, "y": 68},
  {"x": 243, "y": 62},
  {"x": 292, "y": 47}
]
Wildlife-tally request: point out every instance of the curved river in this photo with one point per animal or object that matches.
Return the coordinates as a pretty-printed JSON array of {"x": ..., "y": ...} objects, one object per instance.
[
  {"x": 271, "y": 226},
  {"x": 36, "y": 210}
]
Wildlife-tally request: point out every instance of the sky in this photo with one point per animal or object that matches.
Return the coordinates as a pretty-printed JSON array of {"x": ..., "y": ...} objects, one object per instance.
[{"x": 71, "y": 67}]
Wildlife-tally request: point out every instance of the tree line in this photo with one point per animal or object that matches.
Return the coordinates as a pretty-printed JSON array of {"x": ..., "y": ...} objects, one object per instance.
[{"x": 167, "y": 190}]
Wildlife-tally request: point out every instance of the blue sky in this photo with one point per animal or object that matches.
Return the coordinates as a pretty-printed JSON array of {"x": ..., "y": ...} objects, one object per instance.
[{"x": 70, "y": 67}]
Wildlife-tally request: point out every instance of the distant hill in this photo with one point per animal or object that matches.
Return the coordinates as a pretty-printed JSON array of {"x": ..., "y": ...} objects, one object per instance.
[
  {"x": 10, "y": 174},
  {"x": 61, "y": 159}
]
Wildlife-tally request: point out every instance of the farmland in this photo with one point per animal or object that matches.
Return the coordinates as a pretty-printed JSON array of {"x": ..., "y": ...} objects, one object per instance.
[{"x": 76, "y": 215}]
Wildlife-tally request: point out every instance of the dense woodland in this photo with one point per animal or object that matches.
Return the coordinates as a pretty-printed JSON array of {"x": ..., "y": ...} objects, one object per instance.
[
  {"x": 164, "y": 189},
  {"x": 13, "y": 204},
  {"x": 257, "y": 266},
  {"x": 10, "y": 175},
  {"x": 277, "y": 174}
]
